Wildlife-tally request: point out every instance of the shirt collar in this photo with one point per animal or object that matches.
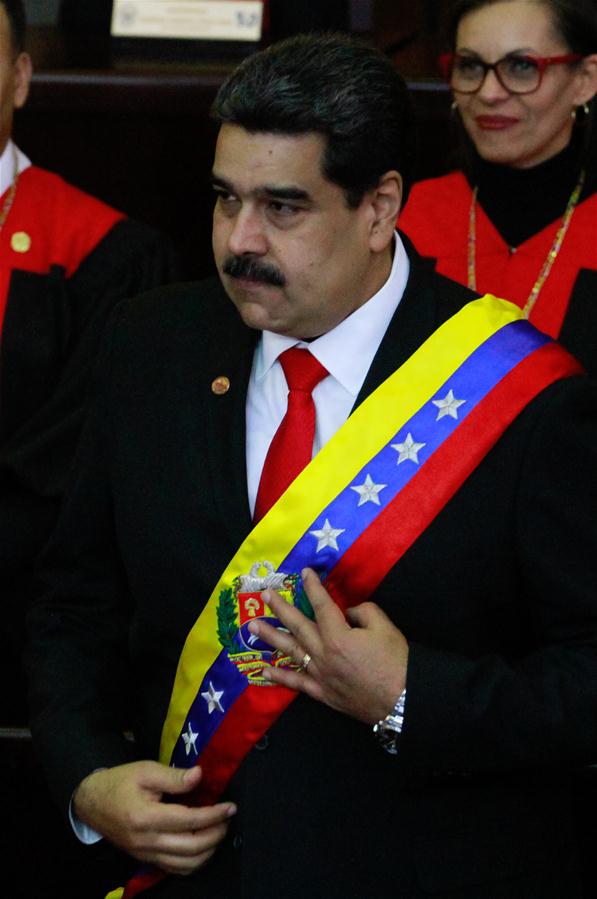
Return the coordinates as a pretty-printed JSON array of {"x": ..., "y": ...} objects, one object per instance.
[
  {"x": 7, "y": 162},
  {"x": 347, "y": 350}
]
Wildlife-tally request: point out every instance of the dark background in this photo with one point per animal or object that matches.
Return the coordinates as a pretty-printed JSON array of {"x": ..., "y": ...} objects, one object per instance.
[{"x": 131, "y": 125}]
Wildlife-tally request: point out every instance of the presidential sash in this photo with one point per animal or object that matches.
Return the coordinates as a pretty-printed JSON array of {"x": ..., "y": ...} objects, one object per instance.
[{"x": 351, "y": 514}]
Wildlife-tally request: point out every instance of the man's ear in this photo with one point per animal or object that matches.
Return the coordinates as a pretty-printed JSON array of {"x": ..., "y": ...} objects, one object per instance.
[
  {"x": 23, "y": 69},
  {"x": 386, "y": 199}
]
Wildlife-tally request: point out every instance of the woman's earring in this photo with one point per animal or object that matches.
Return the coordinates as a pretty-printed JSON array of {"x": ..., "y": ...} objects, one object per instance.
[{"x": 585, "y": 110}]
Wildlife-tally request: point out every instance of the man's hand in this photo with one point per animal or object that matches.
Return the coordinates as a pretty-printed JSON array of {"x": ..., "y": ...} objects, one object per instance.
[
  {"x": 357, "y": 666},
  {"x": 124, "y": 805}
]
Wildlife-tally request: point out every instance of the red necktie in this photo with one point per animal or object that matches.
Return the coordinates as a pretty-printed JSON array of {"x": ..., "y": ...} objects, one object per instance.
[{"x": 292, "y": 446}]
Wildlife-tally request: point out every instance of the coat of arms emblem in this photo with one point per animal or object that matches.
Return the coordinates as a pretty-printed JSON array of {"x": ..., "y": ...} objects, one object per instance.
[{"x": 242, "y": 603}]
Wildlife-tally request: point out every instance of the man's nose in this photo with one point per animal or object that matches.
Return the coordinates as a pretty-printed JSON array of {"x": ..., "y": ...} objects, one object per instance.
[{"x": 247, "y": 234}]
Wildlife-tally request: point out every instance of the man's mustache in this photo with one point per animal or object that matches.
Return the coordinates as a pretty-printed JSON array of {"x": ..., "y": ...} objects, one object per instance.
[{"x": 254, "y": 270}]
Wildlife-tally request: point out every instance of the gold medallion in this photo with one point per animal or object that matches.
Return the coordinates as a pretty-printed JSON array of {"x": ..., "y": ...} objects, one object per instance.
[{"x": 20, "y": 242}]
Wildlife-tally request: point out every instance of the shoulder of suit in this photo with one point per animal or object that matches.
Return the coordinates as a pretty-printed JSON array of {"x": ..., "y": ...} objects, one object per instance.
[
  {"x": 168, "y": 322},
  {"x": 176, "y": 305},
  {"x": 453, "y": 296}
]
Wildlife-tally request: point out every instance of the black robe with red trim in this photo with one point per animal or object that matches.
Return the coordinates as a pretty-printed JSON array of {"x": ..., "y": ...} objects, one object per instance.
[
  {"x": 65, "y": 259},
  {"x": 436, "y": 218}
]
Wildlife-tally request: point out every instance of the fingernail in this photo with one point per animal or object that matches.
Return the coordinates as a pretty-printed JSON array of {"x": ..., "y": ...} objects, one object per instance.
[
  {"x": 253, "y": 627},
  {"x": 231, "y": 811},
  {"x": 266, "y": 674}
]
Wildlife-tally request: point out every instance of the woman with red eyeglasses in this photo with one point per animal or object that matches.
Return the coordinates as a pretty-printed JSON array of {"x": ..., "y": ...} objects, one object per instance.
[{"x": 520, "y": 218}]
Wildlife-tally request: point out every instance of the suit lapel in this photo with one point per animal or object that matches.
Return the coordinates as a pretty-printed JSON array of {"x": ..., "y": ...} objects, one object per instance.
[
  {"x": 414, "y": 320},
  {"x": 231, "y": 358}
]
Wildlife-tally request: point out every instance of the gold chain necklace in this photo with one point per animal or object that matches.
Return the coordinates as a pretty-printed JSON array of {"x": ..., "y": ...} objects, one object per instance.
[
  {"x": 549, "y": 259},
  {"x": 12, "y": 190}
]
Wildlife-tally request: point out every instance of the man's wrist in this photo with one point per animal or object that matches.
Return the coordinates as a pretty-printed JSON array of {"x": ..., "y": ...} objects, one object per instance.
[
  {"x": 83, "y": 831},
  {"x": 388, "y": 730}
]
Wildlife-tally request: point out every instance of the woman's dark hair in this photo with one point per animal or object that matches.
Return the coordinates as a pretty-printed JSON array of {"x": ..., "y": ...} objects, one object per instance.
[
  {"x": 332, "y": 85},
  {"x": 575, "y": 21},
  {"x": 18, "y": 23}
]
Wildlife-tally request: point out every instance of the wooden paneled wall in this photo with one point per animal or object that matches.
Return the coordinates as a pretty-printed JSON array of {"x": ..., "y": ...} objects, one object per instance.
[{"x": 142, "y": 140}]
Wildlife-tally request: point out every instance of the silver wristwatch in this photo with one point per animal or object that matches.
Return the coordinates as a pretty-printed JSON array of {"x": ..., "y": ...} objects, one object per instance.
[{"x": 388, "y": 730}]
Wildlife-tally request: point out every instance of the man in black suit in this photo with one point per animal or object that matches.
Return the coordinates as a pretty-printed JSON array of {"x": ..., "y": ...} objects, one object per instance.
[{"x": 476, "y": 659}]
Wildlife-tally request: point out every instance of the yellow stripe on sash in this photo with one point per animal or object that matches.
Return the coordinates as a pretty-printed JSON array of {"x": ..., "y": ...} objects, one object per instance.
[{"x": 369, "y": 428}]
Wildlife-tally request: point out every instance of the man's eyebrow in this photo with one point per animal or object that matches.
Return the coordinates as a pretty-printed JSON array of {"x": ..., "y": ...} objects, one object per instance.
[
  {"x": 216, "y": 181},
  {"x": 284, "y": 192}
]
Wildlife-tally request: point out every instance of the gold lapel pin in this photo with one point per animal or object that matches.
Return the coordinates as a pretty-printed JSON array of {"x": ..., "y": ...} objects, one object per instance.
[{"x": 220, "y": 385}]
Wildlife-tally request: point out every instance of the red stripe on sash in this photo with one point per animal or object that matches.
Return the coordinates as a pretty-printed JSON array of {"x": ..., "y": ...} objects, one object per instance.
[
  {"x": 245, "y": 723},
  {"x": 141, "y": 882},
  {"x": 395, "y": 529}
]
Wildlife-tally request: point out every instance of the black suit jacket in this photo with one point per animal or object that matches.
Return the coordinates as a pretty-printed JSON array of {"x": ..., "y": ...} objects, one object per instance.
[
  {"x": 50, "y": 338},
  {"x": 498, "y": 599}
]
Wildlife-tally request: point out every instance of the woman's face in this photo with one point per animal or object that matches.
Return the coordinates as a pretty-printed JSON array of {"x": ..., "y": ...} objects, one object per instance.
[{"x": 521, "y": 130}]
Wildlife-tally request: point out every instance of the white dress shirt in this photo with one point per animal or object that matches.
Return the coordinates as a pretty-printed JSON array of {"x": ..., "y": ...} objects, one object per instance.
[
  {"x": 346, "y": 352},
  {"x": 7, "y": 170}
]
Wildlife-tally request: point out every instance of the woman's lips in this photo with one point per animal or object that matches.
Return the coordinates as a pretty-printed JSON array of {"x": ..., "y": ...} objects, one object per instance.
[{"x": 494, "y": 122}]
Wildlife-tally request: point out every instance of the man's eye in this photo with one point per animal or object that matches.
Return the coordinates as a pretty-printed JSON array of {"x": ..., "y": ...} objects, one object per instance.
[
  {"x": 279, "y": 207},
  {"x": 225, "y": 197},
  {"x": 226, "y": 202}
]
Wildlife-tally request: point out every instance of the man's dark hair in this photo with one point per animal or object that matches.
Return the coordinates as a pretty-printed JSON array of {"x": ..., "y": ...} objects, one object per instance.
[
  {"x": 18, "y": 23},
  {"x": 335, "y": 86}
]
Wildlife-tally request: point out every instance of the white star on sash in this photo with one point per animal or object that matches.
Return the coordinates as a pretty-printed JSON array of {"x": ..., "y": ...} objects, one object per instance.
[
  {"x": 448, "y": 406},
  {"x": 327, "y": 536},
  {"x": 369, "y": 492},
  {"x": 212, "y": 698},
  {"x": 408, "y": 450},
  {"x": 189, "y": 738}
]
